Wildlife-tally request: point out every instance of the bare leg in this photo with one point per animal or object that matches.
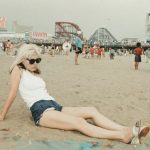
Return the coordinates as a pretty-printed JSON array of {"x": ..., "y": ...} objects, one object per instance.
[
  {"x": 76, "y": 59},
  {"x": 136, "y": 65},
  {"x": 67, "y": 53},
  {"x": 92, "y": 113},
  {"x": 60, "y": 120}
]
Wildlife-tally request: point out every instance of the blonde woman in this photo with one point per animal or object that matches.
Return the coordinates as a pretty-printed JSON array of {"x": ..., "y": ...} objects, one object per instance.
[{"x": 46, "y": 112}]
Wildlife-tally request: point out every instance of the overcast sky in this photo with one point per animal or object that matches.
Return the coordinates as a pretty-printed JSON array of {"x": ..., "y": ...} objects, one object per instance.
[{"x": 123, "y": 18}]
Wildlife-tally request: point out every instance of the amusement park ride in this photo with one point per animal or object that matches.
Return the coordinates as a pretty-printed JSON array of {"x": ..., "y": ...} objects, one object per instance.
[
  {"x": 103, "y": 37},
  {"x": 67, "y": 30}
]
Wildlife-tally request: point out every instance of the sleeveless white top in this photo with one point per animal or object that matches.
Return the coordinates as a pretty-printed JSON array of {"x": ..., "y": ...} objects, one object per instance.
[{"x": 32, "y": 88}]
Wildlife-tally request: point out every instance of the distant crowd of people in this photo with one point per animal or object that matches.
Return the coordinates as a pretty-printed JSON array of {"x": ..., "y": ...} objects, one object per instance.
[{"x": 86, "y": 50}]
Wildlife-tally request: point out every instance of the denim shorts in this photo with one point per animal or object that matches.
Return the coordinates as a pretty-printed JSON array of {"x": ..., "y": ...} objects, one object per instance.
[{"x": 40, "y": 106}]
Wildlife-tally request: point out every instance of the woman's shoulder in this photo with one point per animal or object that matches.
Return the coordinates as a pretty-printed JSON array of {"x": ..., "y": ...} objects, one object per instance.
[{"x": 17, "y": 70}]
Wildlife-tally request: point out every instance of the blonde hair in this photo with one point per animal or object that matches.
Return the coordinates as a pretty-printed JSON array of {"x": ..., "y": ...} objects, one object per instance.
[{"x": 25, "y": 51}]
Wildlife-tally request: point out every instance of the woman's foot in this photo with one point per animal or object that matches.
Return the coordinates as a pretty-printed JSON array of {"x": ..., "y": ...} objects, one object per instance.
[
  {"x": 127, "y": 136},
  {"x": 140, "y": 132},
  {"x": 134, "y": 135}
]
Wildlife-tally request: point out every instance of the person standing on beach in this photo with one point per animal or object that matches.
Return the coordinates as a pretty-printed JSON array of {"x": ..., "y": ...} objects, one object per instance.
[
  {"x": 138, "y": 51},
  {"x": 111, "y": 53},
  {"x": 66, "y": 47},
  {"x": 25, "y": 76},
  {"x": 92, "y": 51},
  {"x": 78, "y": 44},
  {"x": 8, "y": 47},
  {"x": 1, "y": 46},
  {"x": 147, "y": 55},
  {"x": 99, "y": 52},
  {"x": 103, "y": 51}
]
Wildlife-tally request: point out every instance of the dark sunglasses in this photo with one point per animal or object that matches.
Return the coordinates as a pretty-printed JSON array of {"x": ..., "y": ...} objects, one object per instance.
[{"x": 32, "y": 61}]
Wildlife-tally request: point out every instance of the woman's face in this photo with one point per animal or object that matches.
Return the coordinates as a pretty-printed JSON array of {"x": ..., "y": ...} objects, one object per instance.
[{"x": 32, "y": 62}]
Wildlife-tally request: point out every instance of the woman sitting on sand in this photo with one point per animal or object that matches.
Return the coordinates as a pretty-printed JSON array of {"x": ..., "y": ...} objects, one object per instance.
[{"x": 46, "y": 112}]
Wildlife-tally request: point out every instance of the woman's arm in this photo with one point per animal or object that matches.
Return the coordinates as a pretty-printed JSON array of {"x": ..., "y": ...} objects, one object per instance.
[{"x": 14, "y": 84}]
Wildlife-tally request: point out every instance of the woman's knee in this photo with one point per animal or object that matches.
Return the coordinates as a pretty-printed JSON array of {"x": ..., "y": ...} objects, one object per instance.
[
  {"x": 79, "y": 122},
  {"x": 92, "y": 110}
]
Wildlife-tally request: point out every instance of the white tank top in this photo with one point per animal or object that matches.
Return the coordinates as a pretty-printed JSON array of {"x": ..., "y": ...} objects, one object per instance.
[{"x": 33, "y": 88}]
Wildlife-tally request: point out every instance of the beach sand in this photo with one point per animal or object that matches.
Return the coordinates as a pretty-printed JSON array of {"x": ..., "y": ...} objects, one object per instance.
[{"x": 112, "y": 86}]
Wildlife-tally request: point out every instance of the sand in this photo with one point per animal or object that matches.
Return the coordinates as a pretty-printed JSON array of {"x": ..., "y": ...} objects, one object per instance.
[{"x": 112, "y": 86}]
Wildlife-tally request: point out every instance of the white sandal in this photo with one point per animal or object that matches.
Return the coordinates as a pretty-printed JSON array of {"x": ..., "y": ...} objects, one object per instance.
[{"x": 138, "y": 133}]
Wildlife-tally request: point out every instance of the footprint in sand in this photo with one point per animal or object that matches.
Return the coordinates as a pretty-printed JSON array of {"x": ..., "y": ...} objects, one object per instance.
[{"x": 77, "y": 92}]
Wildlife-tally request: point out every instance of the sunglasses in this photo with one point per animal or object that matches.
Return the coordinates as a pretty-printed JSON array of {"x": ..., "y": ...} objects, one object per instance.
[{"x": 32, "y": 61}]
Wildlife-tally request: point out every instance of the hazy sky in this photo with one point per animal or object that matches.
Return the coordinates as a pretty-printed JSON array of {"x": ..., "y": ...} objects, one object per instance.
[{"x": 123, "y": 18}]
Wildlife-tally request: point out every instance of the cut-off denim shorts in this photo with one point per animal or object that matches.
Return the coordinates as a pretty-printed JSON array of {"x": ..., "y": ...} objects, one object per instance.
[{"x": 40, "y": 106}]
